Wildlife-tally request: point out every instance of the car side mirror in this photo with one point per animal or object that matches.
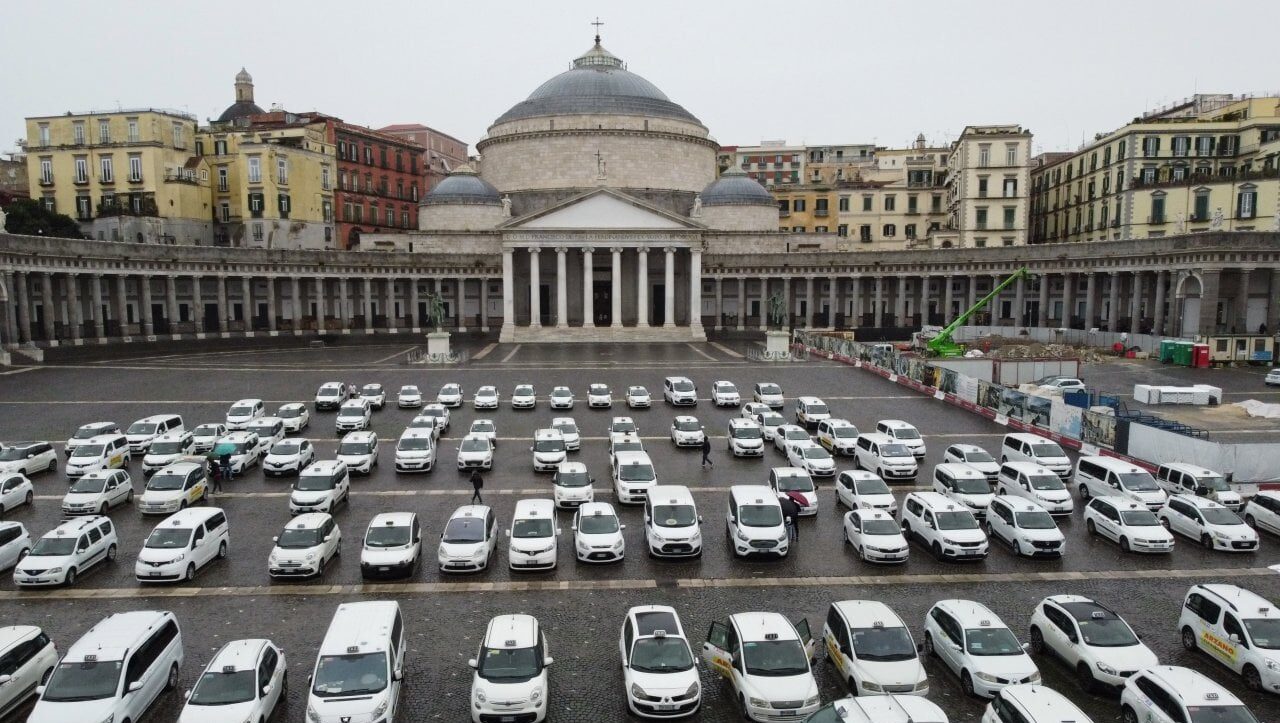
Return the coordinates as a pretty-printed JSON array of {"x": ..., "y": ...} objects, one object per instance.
[
  {"x": 699, "y": 519},
  {"x": 508, "y": 533},
  {"x": 397, "y": 674},
  {"x": 548, "y": 660},
  {"x": 1234, "y": 638},
  {"x": 573, "y": 527},
  {"x": 135, "y": 686},
  {"x": 919, "y": 647},
  {"x": 5, "y": 679},
  {"x": 592, "y": 479},
  {"x": 1027, "y": 646},
  {"x": 622, "y": 527},
  {"x": 328, "y": 537},
  {"x": 39, "y": 690},
  {"x": 275, "y": 539},
  {"x": 266, "y": 689},
  {"x": 531, "y": 449},
  {"x": 473, "y": 663},
  {"x": 187, "y": 693}
]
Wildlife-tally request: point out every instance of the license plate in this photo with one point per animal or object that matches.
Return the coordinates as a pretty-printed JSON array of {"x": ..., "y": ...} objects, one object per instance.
[
  {"x": 507, "y": 718},
  {"x": 665, "y": 706},
  {"x": 788, "y": 712},
  {"x": 383, "y": 568},
  {"x": 154, "y": 573}
]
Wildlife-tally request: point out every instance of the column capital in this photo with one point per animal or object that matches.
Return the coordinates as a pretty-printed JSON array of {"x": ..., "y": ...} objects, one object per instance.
[
  {"x": 535, "y": 250},
  {"x": 669, "y": 250},
  {"x": 642, "y": 250},
  {"x": 615, "y": 249},
  {"x": 561, "y": 249}
]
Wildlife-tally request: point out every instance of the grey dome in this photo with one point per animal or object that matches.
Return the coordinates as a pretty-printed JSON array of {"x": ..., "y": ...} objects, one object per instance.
[
  {"x": 597, "y": 83},
  {"x": 463, "y": 186},
  {"x": 735, "y": 188}
]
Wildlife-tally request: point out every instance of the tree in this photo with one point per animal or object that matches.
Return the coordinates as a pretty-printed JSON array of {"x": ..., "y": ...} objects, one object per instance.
[{"x": 28, "y": 217}]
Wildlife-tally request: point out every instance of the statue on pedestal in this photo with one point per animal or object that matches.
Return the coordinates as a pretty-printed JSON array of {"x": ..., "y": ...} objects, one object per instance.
[
  {"x": 777, "y": 311},
  {"x": 697, "y": 207},
  {"x": 435, "y": 310},
  {"x": 3, "y": 219},
  {"x": 506, "y": 206}
]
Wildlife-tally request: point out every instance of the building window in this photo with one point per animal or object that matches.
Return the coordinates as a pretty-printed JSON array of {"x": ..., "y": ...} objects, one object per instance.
[
  {"x": 890, "y": 230},
  {"x": 1009, "y": 214},
  {"x": 222, "y": 179},
  {"x": 866, "y": 203},
  {"x": 909, "y": 230},
  {"x": 44, "y": 134},
  {"x": 984, "y": 156},
  {"x": 1157, "y": 210},
  {"x": 104, "y": 131},
  {"x": 981, "y": 218},
  {"x": 346, "y": 211},
  {"x": 1011, "y": 154},
  {"x": 842, "y": 230},
  {"x": 912, "y": 205},
  {"x": 1179, "y": 173},
  {"x": 1105, "y": 211},
  {"x": 889, "y": 202},
  {"x": 257, "y": 233},
  {"x": 1201, "y": 212},
  {"x": 179, "y": 139},
  {"x": 400, "y": 188},
  {"x": 255, "y": 205},
  {"x": 1204, "y": 145},
  {"x": 324, "y": 178},
  {"x": 1011, "y": 188},
  {"x": 82, "y": 169},
  {"x": 1006, "y": 241},
  {"x": 255, "y": 169},
  {"x": 820, "y": 229},
  {"x": 1247, "y": 204},
  {"x": 225, "y": 209},
  {"x": 46, "y": 170},
  {"x": 391, "y": 217},
  {"x": 844, "y": 203},
  {"x": 135, "y": 168},
  {"x": 50, "y": 204},
  {"x": 797, "y": 229},
  {"x": 798, "y": 205},
  {"x": 982, "y": 187},
  {"x": 404, "y": 219},
  {"x": 936, "y": 205},
  {"x": 328, "y": 235},
  {"x": 1149, "y": 175},
  {"x": 282, "y": 201},
  {"x": 1151, "y": 146},
  {"x": 980, "y": 242},
  {"x": 784, "y": 207},
  {"x": 368, "y": 183},
  {"x": 327, "y": 209},
  {"x": 108, "y": 173},
  {"x": 77, "y": 133},
  {"x": 359, "y": 213},
  {"x": 413, "y": 192},
  {"x": 282, "y": 170},
  {"x": 84, "y": 208},
  {"x": 864, "y": 232},
  {"x": 820, "y": 205},
  {"x": 133, "y": 131},
  {"x": 1181, "y": 145}
]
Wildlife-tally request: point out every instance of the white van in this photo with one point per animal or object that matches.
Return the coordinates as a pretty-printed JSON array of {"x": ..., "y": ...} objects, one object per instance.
[
  {"x": 533, "y": 536},
  {"x": 810, "y": 411},
  {"x": 746, "y": 438},
  {"x": 27, "y": 659},
  {"x": 633, "y": 476},
  {"x": 1234, "y": 626},
  {"x": 548, "y": 450},
  {"x": 115, "y": 671},
  {"x": 359, "y": 451},
  {"x": 1038, "y": 484},
  {"x": 243, "y": 412},
  {"x": 903, "y": 433},
  {"x": 106, "y": 451},
  {"x": 166, "y": 450},
  {"x": 360, "y": 667},
  {"x": 183, "y": 543},
  {"x": 269, "y": 430},
  {"x": 1027, "y": 447},
  {"x": 66, "y": 551},
  {"x": 1103, "y": 476},
  {"x": 672, "y": 525},
  {"x": 144, "y": 431},
  {"x": 965, "y": 485},
  {"x": 680, "y": 391},
  {"x": 945, "y": 528},
  {"x": 885, "y": 456},
  {"x": 320, "y": 487},
  {"x": 767, "y": 660},
  {"x": 1188, "y": 479},
  {"x": 416, "y": 450},
  {"x": 754, "y": 522}
]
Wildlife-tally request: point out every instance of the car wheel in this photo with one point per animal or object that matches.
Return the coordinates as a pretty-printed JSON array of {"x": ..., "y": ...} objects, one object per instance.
[
  {"x": 966, "y": 684},
  {"x": 70, "y": 579},
  {"x": 191, "y": 573},
  {"x": 182, "y": 505},
  {"x": 1128, "y": 716},
  {"x": 103, "y": 509},
  {"x": 1188, "y": 639},
  {"x": 44, "y": 678},
  {"x": 129, "y": 496},
  {"x": 937, "y": 550},
  {"x": 1037, "y": 640},
  {"x": 172, "y": 681},
  {"x": 112, "y": 552},
  {"x": 1206, "y": 541},
  {"x": 928, "y": 646},
  {"x": 1017, "y": 548},
  {"x": 1085, "y": 678},
  {"x": 1248, "y": 520},
  {"x": 53, "y": 466},
  {"x": 1251, "y": 677},
  {"x": 1088, "y": 525},
  {"x": 742, "y": 708},
  {"x": 1124, "y": 544},
  {"x": 987, "y": 527},
  {"x": 222, "y": 550}
]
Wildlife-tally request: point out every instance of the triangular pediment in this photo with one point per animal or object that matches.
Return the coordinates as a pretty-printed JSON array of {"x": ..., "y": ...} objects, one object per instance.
[{"x": 602, "y": 209}]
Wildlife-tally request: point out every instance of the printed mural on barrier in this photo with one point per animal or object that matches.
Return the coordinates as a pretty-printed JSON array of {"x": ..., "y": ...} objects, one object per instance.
[
  {"x": 1098, "y": 429},
  {"x": 1065, "y": 419}
]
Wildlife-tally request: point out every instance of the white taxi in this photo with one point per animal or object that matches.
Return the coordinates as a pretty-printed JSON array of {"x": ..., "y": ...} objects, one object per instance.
[
  {"x": 787, "y": 435},
  {"x": 638, "y": 397},
  {"x": 392, "y": 546},
  {"x": 67, "y": 551},
  {"x": 1236, "y": 627},
  {"x": 658, "y": 671},
  {"x": 875, "y": 536},
  {"x": 597, "y": 533},
  {"x": 469, "y": 539},
  {"x": 873, "y": 649},
  {"x": 571, "y": 485},
  {"x": 295, "y": 417},
  {"x": 725, "y": 394},
  {"x": 686, "y": 431},
  {"x": 450, "y": 395},
  {"x": 548, "y": 450},
  {"x": 1026, "y": 527},
  {"x": 409, "y": 397},
  {"x": 97, "y": 492},
  {"x": 795, "y": 482},
  {"x": 484, "y": 428},
  {"x": 568, "y": 429},
  {"x": 769, "y": 394},
  {"x": 204, "y": 436},
  {"x": 1170, "y": 694},
  {"x": 978, "y": 647},
  {"x": 974, "y": 456},
  {"x": 305, "y": 546},
  {"x": 1090, "y": 638},
  {"x": 561, "y": 398},
  {"x": 1127, "y": 523},
  {"x": 766, "y": 660},
  {"x": 599, "y": 396},
  {"x": 838, "y": 436},
  {"x": 812, "y": 458},
  {"x": 359, "y": 451},
  {"x": 439, "y": 414},
  {"x": 375, "y": 394},
  {"x": 860, "y": 489},
  {"x": 523, "y": 397},
  {"x": 486, "y": 398},
  {"x": 1210, "y": 523},
  {"x": 174, "y": 488},
  {"x": 288, "y": 456},
  {"x": 245, "y": 680},
  {"x": 475, "y": 452},
  {"x": 510, "y": 679},
  {"x": 15, "y": 490}
]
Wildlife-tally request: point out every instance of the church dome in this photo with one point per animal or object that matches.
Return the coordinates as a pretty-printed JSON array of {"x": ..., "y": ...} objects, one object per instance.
[
  {"x": 598, "y": 83},
  {"x": 463, "y": 186},
  {"x": 735, "y": 188}
]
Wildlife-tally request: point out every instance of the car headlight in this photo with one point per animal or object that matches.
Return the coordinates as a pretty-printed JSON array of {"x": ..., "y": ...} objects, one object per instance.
[
  {"x": 312, "y": 715},
  {"x": 479, "y": 555},
  {"x": 618, "y": 545},
  {"x": 1273, "y": 665},
  {"x": 813, "y": 700},
  {"x": 382, "y": 708},
  {"x": 1104, "y": 668},
  {"x": 1221, "y": 537},
  {"x": 54, "y": 570},
  {"x": 784, "y": 538},
  {"x": 986, "y": 676},
  {"x": 922, "y": 686},
  {"x": 535, "y": 696},
  {"x": 638, "y": 692},
  {"x": 109, "y": 719},
  {"x": 873, "y": 687},
  {"x": 740, "y": 535},
  {"x": 181, "y": 556},
  {"x": 480, "y": 696},
  {"x": 310, "y": 556},
  {"x": 758, "y": 702},
  {"x": 949, "y": 541},
  {"x": 693, "y": 690},
  {"x": 1035, "y": 677}
]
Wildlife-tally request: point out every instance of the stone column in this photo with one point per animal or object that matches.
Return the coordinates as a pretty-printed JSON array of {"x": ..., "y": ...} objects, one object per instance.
[
  {"x": 719, "y": 323},
  {"x": 246, "y": 303},
  {"x": 50, "y": 308},
  {"x": 1209, "y": 295},
  {"x": 367, "y": 299},
  {"x": 994, "y": 304},
  {"x": 144, "y": 300},
  {"x": 122, "y": 306},
  {"x": 973, "y": 299},
  {"x": 460, "y": 300},
  {"x": 1157, "y": 310},
  {"x": 833, "y": 298},
  {"x": 22, "y": 298},
  {"x": 642, "y": 291},
  {"x": 856, "y": 290},
  {"x": 924, "y": 301},
  {"x": 95, "y": 308},
  {"x": 197, "y": 305},
  {"x": 1042, "y": 313},
  {"x": 787, "y": 302},
  {"x": 695, "y": 290},
  {"x": 1068, "y": 296},
  {"x": 1273, "y": 303},
  {"x": 877, "y": 315},
  {"x": 1019, "y": 302},
  {"x": 669, "y": 293},
  {"x": 1135, "y": 303},
  {"x": 273, "y": 328},
  {"x": 1113, "y": 298},
  {"x": 508, "y": 293},
  {"x": 321, "y": 311},
  {"x": 764, "y": 303},
  {"x": 562, "y": 288},
  {"x": 615, "y": 298},
  {"x": 393, "y": 322},
  {"x": 588, "y": 289},
  {"x": 415, "y": 324},
  {"x": 808, "y": 302},
  {"x": 1241, "y": 322},
  {"x": 742, "y": 303},
  {"x": 344, "y": 309},
  {"x": 224, "y": 310},
  {"x": 535, "y": 289},
  {"x": 75, "y": 311},
  {"x": 900, "y": 303},
  {"x": 295, "y": 303},
  {"x": 171, "y": 304},
  {"x": 948, "y": 296},
  {"x": 1090, "y": 295},
  {"x": 484, "y": 304}
]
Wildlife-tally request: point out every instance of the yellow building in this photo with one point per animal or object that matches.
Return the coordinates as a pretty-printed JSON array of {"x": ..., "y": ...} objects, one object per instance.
[
  {"x": 988, "y": 188},
  {"x": 1211, "y": 162},
  {"x": 125, "y": 175}
]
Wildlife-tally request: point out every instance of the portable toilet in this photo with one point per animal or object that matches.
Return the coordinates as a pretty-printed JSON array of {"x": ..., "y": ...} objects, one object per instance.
[
  {"x": 1200, "y": 356},
  {"x": 1182, "y": 353},
  {"x": 1166, "y": 350}
]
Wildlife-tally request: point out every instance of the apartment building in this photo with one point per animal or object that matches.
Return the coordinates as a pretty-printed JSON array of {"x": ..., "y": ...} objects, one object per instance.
[{"x": 987, "y": 188}]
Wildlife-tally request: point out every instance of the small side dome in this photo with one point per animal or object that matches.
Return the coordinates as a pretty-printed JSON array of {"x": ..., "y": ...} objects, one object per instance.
[
  {"x": 243, "y": 76},
  {"x": 735, "y": 188},
  {"x": 463, "y": 186}
]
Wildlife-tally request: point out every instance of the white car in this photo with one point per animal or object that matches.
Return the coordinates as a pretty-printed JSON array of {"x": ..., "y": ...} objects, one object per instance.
[
  {"x": 976, "y": 645},
  {"x": 392, "y": 546},
  {"x": 888, "y": 458},
  {"x": 633, "y": 476},
  {"x": 561, "y": 398},
  {"x": 15, "y": 490},
  {"x": 1060, "y": 384},
  {"x": 28, "y": 458},
  {"x": 204, "y": 436},
  {"x": 766, "y": 660},
  {"x": 359, "y": 451},
  {"x": 107, "y": 451},
  {"x": 838, "y": 436},
  {"x": 182, "y": 544},
  {"x": 964, "y": 484},
  {"x": 568, "y": 429},
  {"x": 330, "y": 395},
  {"x": 812, "y": 458},
  {"x": 510, "y": 679},
  {"x": 597, "y": 533},
  {"x": 97, "y": 492},
  {"x": 245, "y": 450},
  {"x": 1273, "y": 377},
  {"x": 873, "y": 650},
  {"x": 288, "y": 456},
  {"x": 523, "y": 397},
  {"x": 439, "y": 414},
  {"x": 1263, "y": 512},
  {"x": 638, "y": 398},
  {"x": 1170, "y": 693},
  {"x": 29, "y": 659},
  {"x": 86, "y": 432},
  {"x": 789, "y": 434},
  {"x": 943, "y": 527},
  {"x": 548, "y": 450},
  {"x": 1026, "y": 527},
  {"x": 15, "y": 543},
  {"x": 754, "y": 523},
  {"x": 175, "y": 487},
  {"x": 244, "y": 681},
  {"x": 745, "y": 438},
  {"x": 1032, "y": 704},
  {"x": 416, "y": 450},
  {"x": 599, "y": 396},
  {"x": 142, "y": 432},
  {"x": 769, "y": 394},
  {"x": 484, "y": 428},
  {"x": 486, "y": 398},
  {"x": 571, "y": 485},
  {"x": 409, "y": 397},
  {"x": 1129, "y": 524},
  {"x": 725, "y": 394},
  {"x": 294, "y": 416},
  {"x": 875, "y": 536},
  {"x": 751, "y": 409},
  {"x": 305, "y": 546},
  {"x": 375, "y": 394},
  {"x": 469, "y": 539},
  {"x": 658, "y": 670},
  {"x": 903, "y": 433},
  {"x": 475, "y": 453},
  {"x": 243, "y": 412},
  {"x": 1211, "y": 524},
  {"x": 770, "y": 422},
  {"x": 886, "y": 709},
  {"x": 320, "y": 488},
  {"x": 622, "y": 425},
  {"x": 66, "y": 552},
  {"x": 1237, "y": 628},
  {"x": 974, "y": 456},
  {"x": 859, "y": 489},
  {"x": 534, "y": 536},
  {"x": 672, "y": 525},
  {"x": 1038, "y": 484},
  {"x": 450, "y": 395},
  {"x": 1093, "y": 641},
  {"x": 796, "y": 483},
  {"x": 686, "y": 431},
  {"x": 353, "y": 416}
]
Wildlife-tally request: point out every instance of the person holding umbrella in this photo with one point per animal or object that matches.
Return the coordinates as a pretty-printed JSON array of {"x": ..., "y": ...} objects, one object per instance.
[{"x": 790, "y": 513}]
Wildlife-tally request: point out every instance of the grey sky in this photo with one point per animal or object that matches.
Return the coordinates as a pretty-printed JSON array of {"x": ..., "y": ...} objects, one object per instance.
[{"x": 807, "y": 72}]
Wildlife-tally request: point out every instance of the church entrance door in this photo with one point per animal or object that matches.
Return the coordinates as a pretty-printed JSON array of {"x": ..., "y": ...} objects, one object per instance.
[
  {"x": 602, "y": 302},
  {"x": 659, "y": 304}
]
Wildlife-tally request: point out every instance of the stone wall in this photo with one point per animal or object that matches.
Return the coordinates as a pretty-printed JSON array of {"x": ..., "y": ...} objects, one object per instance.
[
  {"x": 741, "y": 218},
  {"x": 457, "y": 217}
]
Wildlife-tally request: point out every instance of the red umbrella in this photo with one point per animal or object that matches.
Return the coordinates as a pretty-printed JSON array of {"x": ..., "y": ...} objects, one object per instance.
[{"x": 798, "y": 498}]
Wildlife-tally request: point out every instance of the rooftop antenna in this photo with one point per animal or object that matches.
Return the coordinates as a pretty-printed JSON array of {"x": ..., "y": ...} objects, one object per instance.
[{"x": 597, "y": 23}]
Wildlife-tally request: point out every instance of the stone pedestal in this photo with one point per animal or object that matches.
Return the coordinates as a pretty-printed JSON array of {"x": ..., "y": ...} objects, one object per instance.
[
  {"x": 777, "y": 342},
  {"x": 438, "y": 344}
]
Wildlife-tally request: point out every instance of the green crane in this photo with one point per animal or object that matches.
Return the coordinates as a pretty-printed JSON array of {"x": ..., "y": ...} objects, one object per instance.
[{"x": 941, "y": 345}]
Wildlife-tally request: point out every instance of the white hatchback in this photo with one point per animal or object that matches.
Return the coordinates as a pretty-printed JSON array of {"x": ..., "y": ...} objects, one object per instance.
[
  {"x": 245, "y": 680},
  {"x": 860, "y": 489},
  {"x": 686, "y": 431},
  {"x": 658, "y": 670},
  {"x": 305, "y": 546},
  {"x": 475, "y": 452},
  {"x": 409, "y": 397},
  {"x": 812, "y": 458},
  {"x": 1094, "y": 642},
  {"x": 288, "y": 456},
  {"x": 597, "y": 533},
  {"x": 392, "y": 546},
  {"x": 1026, "y": 527},
  {"x": 295, "y": 417},
  {"x": 568, "y": 429},
  {"x": 484, "y": 428},
  {"x": 875, "y": 536},
  {"x": 450, "y": 395},
  {"x": 725, "y": 394},
  {"x": 571, "y": 485},
  {"x": 561, "y": 398},
  {"x": 638, "y": 397},
  {"x": 976, "y": 645},
  {"x": 523, "y": 397},
  {"x": 15, "y": 490},
  {"x": 486, "y": 398},
  {"x": 97, "y": 492},
  {"x": 599, "y": 396},
  {"x": 510, "y": 679},
  {"x": 1211, "y": 524}
]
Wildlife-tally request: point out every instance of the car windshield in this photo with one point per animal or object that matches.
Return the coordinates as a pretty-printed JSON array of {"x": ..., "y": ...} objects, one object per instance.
[
  {"x": 1137, "y": 481},
  {"x": 598, "y": 524},
  {"x": 775, "y": 658},
  {"x": 636, "y": 472},
  {"x": 510, "y": 665},
  {"x": 351, "y": 410},
  {"x": 86, "y": 485},
  {"x": 354, "y": 448},
  {"x": 973, "y": 486},
  {"x": 166, "y": 482},
  {"x": 977, "y": 455},
  {"x": 1045, "y": 482},
  {"x": 760, "y": 515},
  {"x": 561, "y": 392},
  {"x": 523, "y": 529},
  {"x": 817, "y": 409},
  {"x": 241, "y": 410},
  {"x": 1046, "y": 449},
  {"x": 1220, "y": 516},
  {"x": 348, "y": 675},
  {"x": 294, "y": 538},
  {"x": 1220, "y": 714},
  {"x": 387, "y": 536},
  {"x": 674, "y": 515},
  {"x": 795, "y": 483},
  {"x": 313, "y": 483},
  {"x": 289, "y": 412},
  {"x": 328, "y": 392},
  {"x": 797, "y": 434},
  {"x": 747, "y": 432},
  {"x": 875, "y": 486},
  {"x": 961, "y": 520},
  {"x": 142, "y": 428},
  {"x": 687, "y": 425},
  {"x": 10, "y": 454},
  {"x": 880, "y": 527},
  {"x": 474, "y": 445},
  {"x": 845, "y": 432},
  {"x": 1264, "y": 632},
  {"x": 218, "y": 688},
  {"x": 816, "y": 453},
  {"x": 683, "y": 385},
  {"x": 524, "y": 391},
  {"x": 638, "y": 392},
  {"x": 629, "y": 446},
  {"x": 549, "y": 445},
  {"x": 895, "y": 450},
  {"x": 726, "y": 389},
  {"x": 53, "y": 546},
  {"x": 207, "y": 430},
  {"x": 772, "y": 420},
  {"x": 625, "y": 427},
  {"x": 241, "y": 447},
  {"x": 770, "y": 389},
  {"x": 486, "y": 392},
  {"x": 599, "y": 389},
  {"x": 661, "y": 655},
  {"x": 991, "y": 641},
  {"x": 87, "y": 433},
  {"x": 169, "y": 538},
  {"x": 88, "y": 450},
  {"x": 371, "y": 390},
  {"x": 482, "y": 427},
  {"x": 433, "y": 412},
  {"x": 286, "y": 448},
  {"x": 422, "y": 423},
  {"x": 1214, "y": 483},
  {"x": 573, "y": 479},
  {"x": 451, "y": 390},
  {"x": 464, "y": 530},
  {"x": 1139, "y": 518},
  {"x": 568, "y": 428},
  {"x": 409, "y": 391},
  {"x": 883, "y": 644},
  {"x": 905, "y": 433},
  {"x": 1107, "y": 632},
  {"x": 1035, "y": 520},
  {"x": 83, "y": 681}
]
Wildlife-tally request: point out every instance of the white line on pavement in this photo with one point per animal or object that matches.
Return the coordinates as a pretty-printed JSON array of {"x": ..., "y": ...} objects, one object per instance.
[
  {"x": 19, "y": 370},
  {"x": 725, "y": 349},
  {"x": 510, "y": 354},
  {"x": 393, "y": 356},
  {"x": 485, "y": 352},
  {"x": 701, "y": 352}
]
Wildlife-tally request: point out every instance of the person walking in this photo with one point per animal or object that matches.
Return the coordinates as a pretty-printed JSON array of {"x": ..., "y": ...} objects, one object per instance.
[
  {"x": 224, "y": 465},
  {"x": 216, "y": 475},
  {"x": 790, "y": 513},
  {"x": 706, "y": 451},
  {"x": 477, "y": 483}
]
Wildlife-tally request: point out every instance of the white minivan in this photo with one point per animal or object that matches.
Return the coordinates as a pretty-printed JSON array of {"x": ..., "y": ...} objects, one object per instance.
[
  {"x": 534, "y": 533},
  {"x": 754, "y": 522},
  {"x": 115, "y": 671},
  {"x": 672, "y": 525},
  {"x": 142, "y": 432},
  {"x": 360, "y": 668},
  {"x": 1038, "y": 484},
  {"x": 887, "y": 457},
  {"x": 183, "y": 543},
  {"x": 1108, "y": 476},
  {"x": 1026, "y": 447},
  {"x": 27, "y": 658},
  {"x": 1189, "y": 479}
]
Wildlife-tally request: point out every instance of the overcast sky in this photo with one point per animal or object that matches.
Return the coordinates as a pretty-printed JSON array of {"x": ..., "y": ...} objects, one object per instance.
[{"x": 807, "y": 72}]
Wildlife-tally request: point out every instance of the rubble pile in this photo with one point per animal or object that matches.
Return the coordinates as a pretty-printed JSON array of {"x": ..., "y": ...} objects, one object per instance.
[{"x": 1006, "y": 348}]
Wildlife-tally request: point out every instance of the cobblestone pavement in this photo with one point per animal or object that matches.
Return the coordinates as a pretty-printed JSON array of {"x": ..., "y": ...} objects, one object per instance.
[{"x": 580, "y": 606}]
